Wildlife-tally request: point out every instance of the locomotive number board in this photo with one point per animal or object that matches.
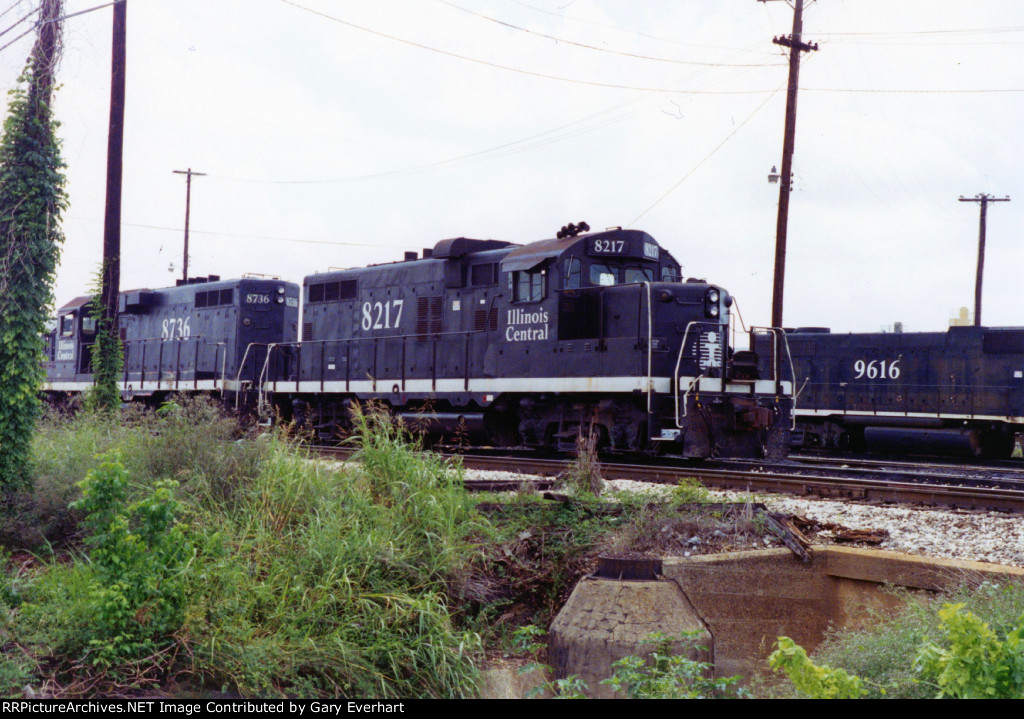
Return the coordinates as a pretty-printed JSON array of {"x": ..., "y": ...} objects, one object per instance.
[{"x": 622, "y": 248}]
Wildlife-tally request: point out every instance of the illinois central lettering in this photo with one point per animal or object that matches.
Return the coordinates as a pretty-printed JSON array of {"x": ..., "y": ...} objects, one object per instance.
[{"x": 526, "y": 326}]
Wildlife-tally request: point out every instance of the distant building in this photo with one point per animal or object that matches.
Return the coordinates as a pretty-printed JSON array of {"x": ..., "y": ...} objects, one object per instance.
[{"x": 962, "y": 319}]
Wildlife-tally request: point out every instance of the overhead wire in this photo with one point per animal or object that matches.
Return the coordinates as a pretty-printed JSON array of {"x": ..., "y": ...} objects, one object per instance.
[
  {"x": 536, "y": 140},
  {"x": 18, "y": 21},
  {"x": 14, "y": 25},
  {"x": 561, "y": 132},
  {"x": 52, "y": 20},
  {"x": 564, "y": 41},
  {"x": 237, "y": 236},
  {"x": 708, "y": 156},
  {"x": 16, "y": 4},
  {"x": 530, "y": 73},
  {"x": 660, "y": 38}
]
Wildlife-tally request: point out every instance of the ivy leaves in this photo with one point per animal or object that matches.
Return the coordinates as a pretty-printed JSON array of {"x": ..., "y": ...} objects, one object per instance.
[{"x": 31, "y": 199}]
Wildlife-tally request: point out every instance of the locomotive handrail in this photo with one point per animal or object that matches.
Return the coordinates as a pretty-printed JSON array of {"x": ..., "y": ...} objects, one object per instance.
[
  {"x": 220, "y": 356},
  {"x": 650, "y": 351},
  {"x": 776, "y": 332},
  {"x": 261, "y": 386},
  {"x": 238, "y": 375},
  {"x": 675, "y": 375},
  {"x": 686, "y": 394}
]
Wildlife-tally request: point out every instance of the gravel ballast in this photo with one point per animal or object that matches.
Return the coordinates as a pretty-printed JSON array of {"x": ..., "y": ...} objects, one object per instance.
[{"x": 969, "y": 535}]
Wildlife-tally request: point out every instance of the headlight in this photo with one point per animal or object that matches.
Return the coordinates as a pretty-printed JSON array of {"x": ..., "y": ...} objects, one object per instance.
[
  {"x": 713, "y": 311},
  {"x": 280, "y": 290},
  {"x": 712, "y": 295}
]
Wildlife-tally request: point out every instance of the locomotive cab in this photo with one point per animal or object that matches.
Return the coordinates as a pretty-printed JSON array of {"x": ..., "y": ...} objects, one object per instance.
[{"x": 68, "y": 359}]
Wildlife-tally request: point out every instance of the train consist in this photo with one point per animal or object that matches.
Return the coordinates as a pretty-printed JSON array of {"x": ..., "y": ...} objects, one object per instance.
[
  {"x": 961, "y": 389},
  {"x": 499, "y": 343}
]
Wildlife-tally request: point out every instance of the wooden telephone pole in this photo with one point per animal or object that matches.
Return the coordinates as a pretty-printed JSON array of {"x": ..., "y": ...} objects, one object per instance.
[
  {"x": 111, "y": 281},
  {"x": 982, "y": 200},
  {"x": 188, "y": 202},
  {"x": 796, "y": 46}
]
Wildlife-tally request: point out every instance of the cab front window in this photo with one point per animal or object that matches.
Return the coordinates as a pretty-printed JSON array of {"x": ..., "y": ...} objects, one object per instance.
[
  {"x": 637, "y": 274},
  {"x": 603, "y": 275}
]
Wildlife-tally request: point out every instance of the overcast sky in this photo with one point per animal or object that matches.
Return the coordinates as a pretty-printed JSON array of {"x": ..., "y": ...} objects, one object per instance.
[{"x": 337, "y": 133}]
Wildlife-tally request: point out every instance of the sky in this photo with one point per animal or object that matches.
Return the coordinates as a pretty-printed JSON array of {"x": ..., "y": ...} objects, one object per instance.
[{"x": 339, "y": 133}]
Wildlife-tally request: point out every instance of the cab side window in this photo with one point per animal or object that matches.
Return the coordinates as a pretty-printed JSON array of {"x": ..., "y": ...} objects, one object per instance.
[{"x": 527, "y": 286}]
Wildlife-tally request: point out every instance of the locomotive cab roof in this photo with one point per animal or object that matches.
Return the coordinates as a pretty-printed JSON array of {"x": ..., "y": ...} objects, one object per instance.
[{"x": 613, "y": 244}]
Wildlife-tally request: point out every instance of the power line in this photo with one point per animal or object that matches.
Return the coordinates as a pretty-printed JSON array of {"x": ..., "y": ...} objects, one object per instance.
[
  {"x": 519, "y": 70},
  {"x": 563, "y": 16},
  {"x": 556, "y": 134},
  {"x": 601, "y": 49},
  {"x": 706, "y": 157},
  {"x": 16, "y": 4},
  {"x": 83, "y": 12},
  {"x": 915, "y": 91},
  {"x": 52, "y": 20},
  {"x": 530, "y": 142},
  {"x": 236, "y": 236},
  {"x": 17, "y": 22},
  {"x": 957, "y": 31}
]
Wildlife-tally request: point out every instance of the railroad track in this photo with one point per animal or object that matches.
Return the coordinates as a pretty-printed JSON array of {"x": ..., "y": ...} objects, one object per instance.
[{"x": 886, "y": 483}]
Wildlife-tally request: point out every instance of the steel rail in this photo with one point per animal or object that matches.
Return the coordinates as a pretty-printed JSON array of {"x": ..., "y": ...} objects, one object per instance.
[{"x": 766, "y": 479}]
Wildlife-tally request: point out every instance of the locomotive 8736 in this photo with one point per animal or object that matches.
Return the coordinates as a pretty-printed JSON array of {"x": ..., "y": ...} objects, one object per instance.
[
  {"x": 207, "y": 335},
  {"x": 534, "y": 344}
]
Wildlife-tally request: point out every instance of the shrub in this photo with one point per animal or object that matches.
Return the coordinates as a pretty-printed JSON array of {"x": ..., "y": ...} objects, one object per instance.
[
  {"x": 138, "y": 556},
  {"x": 666, "y": 675},
  {"x": 883, "y": 653},
  {"x": 925, "y": 650},
  {"x": 973, "y": 662}
]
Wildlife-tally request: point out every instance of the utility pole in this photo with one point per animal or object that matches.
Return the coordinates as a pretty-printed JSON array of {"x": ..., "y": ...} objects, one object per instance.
[
  {"x": 796, "y": 46},
  {"x": 983, "y": 201},
  {"x": 188, "y": 201},
  {"x": 111, "y": 280}
]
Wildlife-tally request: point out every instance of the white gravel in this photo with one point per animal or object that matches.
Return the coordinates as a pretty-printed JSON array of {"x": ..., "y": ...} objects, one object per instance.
[{"x": 976, "y": 536}]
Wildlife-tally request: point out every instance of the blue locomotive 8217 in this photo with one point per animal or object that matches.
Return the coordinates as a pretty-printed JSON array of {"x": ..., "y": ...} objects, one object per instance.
[{"x": 532, "y": 345}]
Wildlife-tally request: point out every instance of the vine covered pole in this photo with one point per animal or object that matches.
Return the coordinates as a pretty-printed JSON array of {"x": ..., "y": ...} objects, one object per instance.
[
  {"x": 31, "y": 199},
  {"x": 107, "y": 357}
]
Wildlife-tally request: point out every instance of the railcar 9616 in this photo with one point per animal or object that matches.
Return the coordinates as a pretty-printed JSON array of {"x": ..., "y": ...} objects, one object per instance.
[{"x": 962, "y": 389}]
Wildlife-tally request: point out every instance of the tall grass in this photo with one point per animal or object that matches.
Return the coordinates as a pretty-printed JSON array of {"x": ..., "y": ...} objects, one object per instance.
[{"x": 307, "y": 580}]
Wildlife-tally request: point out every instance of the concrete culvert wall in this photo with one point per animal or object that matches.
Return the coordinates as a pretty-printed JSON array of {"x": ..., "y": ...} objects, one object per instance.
[{"x": 741, "y": 602}]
